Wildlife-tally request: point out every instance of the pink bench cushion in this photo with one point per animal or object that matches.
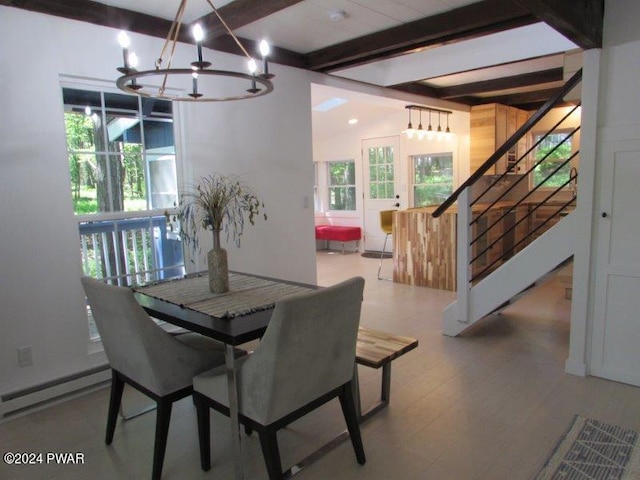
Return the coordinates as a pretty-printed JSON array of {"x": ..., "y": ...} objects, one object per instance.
[{"x": 338, "y": 234}]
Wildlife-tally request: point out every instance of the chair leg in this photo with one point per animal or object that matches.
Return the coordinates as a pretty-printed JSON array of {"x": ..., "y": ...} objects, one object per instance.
[
  {"x": 269, "y": 444},
  {"x": 162, "y": 431},
  {"x": 204, "y": 431},
  {"x": 351, "y": 418},
  {"x": 117, "y": 387},
  {"x": 384, "y": 247}
]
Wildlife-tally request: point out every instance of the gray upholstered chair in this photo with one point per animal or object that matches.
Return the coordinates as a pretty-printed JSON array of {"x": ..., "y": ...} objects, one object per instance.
[
  {"x": 146, "y": 357},
  {"x": 305, "y": 358}
]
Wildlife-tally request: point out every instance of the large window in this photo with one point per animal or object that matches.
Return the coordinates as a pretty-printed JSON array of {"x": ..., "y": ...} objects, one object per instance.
[
  {"x": 432, "y": 178},
  {"x": 121, "y": 152},
  {"x": 342, "y": 185},
  {"x": 122, "y": 166},
  {"x": 552, "y": 151}
]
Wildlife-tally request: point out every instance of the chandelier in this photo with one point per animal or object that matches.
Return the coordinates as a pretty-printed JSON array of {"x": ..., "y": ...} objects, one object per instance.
[
  {"x": 429, "y": 133},
  {"x": 257, "y": 77}
]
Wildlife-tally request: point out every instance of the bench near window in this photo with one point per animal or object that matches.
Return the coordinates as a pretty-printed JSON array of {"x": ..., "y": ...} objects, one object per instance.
[{"x": 334, "y": 233}]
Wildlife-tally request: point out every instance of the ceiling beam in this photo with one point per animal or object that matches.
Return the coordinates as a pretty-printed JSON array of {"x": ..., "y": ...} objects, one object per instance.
[
  {"x": 538, "y": 96},
  {"x": 417, "y": 88},
  {"x": 225, "y": 43},
  {"x": 514, "y": 81},
  {"x": 120, "y": 18},
  {"x": 580, "y": 21},
  {"x": 96, "y": 13},
  {"x": 239, "y": 13},
  {"x": 471, "y": 21}
]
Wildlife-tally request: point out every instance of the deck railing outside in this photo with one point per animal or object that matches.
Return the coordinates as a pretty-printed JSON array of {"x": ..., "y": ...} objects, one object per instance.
[{"x": 130, "y": 251}]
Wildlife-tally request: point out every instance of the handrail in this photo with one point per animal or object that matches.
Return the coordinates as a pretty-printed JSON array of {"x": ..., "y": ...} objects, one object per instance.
[{"x": 512, "y": 141}]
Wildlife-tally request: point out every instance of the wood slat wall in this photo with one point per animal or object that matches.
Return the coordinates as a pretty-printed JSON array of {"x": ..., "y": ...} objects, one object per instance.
[{"x": 418, "y": 261}]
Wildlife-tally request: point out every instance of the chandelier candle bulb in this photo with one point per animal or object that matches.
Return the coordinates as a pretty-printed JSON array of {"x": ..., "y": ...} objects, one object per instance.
[
  {"x": 198, "y": 35},
  {"x": 123, "y": 40},
  {"x": 265, "y": 49}
]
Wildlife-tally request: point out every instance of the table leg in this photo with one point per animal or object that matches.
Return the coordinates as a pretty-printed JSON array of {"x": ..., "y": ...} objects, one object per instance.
[{"x": 233, "y": 411}]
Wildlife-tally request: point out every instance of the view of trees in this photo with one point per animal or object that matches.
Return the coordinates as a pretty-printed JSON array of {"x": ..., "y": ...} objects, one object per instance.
[
  {"x": 342, "y": 189},
  {"x": 554, "y": 159},
  {"x": 432, "y": 179},
  {"x": 96, "y": 187},
  {"x": 381, "y": 181}
]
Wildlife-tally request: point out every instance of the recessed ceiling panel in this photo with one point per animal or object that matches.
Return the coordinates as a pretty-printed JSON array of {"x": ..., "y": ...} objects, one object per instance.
[{"x": 167, "y": 9}]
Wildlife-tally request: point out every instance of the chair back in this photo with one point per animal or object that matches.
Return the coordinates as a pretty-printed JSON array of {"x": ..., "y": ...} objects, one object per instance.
[
  {"x": 134, "y": 344},
  {"x": 307, "y": 350},
  {"x": 386, "y": 221}
]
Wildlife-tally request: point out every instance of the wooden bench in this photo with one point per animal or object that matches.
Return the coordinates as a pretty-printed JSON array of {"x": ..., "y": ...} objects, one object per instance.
[
  {"x": 335, "y": 233},
  {"x": 378, "y": 349}
]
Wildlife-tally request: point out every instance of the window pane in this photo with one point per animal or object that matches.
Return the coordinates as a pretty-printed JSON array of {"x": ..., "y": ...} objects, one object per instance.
[
  {"x": 162, "y": 174},
  {"x": 390, "y": 192},
  {"x": 432, "y": 178},
  {"x": 158, "y": 136},
  {"x": 342, "y": 179},
  {"x": 381, "y": 171},
  {"x": 552, "y": 152},
  {"x": 122, "y": 130}
]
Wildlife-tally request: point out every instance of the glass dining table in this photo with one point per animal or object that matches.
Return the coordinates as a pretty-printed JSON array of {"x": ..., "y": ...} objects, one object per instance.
[{"x": 233, "y": 318}]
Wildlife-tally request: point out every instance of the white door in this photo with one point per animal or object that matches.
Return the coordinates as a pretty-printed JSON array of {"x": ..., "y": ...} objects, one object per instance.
[
  {"x": 381, "y": 187},
  {"x": 615, "y": 352}
]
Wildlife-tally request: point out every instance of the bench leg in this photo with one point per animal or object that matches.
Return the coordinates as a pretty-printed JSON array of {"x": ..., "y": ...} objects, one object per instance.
[{"x": 385, "y": 395}]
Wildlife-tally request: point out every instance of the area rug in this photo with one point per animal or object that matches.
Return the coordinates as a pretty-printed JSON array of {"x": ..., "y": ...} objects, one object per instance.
[
  {"x": 594, "y": 450},
  {"x": 372, "y": 254}
]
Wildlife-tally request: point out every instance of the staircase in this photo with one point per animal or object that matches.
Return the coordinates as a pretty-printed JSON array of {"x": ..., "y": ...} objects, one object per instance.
[{"x": 485, "y": 287}]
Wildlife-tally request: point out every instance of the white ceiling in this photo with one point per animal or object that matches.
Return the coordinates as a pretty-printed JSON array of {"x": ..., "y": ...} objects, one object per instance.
[{"x": 308, "y": 26}]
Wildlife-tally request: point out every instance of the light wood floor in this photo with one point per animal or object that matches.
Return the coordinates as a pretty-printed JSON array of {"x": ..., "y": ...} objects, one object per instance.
[{"x": 490, "y": 404}]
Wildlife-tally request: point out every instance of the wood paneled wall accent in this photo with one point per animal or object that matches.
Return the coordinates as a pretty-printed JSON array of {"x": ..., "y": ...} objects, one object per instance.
[
  {"x": 491, "y": 125},
  {"x": 425, "y": 249}
]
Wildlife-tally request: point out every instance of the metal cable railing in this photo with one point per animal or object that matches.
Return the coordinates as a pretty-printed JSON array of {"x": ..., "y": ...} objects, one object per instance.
[{"x": 498, "y": 227}]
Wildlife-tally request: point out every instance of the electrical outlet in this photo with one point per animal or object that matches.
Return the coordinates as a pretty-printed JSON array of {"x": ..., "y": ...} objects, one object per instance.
[{"x": 25, "y": 356}]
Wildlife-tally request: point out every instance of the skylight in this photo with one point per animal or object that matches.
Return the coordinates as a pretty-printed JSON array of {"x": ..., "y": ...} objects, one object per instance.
[{"x": 329, "y": 104}]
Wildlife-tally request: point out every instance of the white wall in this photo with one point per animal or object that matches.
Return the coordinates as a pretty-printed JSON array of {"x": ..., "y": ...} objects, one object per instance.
[
  {"x": 618, "y": 125},
  {"x": 266, "y": 140}
]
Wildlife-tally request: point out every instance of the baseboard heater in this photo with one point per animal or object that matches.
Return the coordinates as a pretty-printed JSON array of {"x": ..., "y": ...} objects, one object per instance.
[{"x": 38, "y": 396}]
